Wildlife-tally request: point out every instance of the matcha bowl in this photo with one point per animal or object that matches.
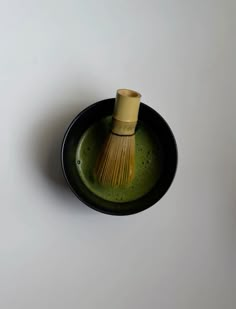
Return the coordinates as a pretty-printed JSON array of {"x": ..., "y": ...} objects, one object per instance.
[{"x": 155, "y": 160}]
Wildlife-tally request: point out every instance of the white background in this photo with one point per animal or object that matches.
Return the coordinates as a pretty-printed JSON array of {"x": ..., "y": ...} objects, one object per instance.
[{"x": 57, "y": 57}]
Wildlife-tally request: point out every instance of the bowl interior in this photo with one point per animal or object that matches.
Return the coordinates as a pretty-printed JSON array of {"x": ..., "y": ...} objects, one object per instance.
[{"x": 164, "y": 137}]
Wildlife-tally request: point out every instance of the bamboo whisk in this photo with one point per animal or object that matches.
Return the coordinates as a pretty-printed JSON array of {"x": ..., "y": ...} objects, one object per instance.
[{"x": 116, "y": 163}]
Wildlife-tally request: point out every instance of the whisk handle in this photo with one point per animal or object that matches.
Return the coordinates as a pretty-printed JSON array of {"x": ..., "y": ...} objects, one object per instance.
[{"x": 125, "y": 114}]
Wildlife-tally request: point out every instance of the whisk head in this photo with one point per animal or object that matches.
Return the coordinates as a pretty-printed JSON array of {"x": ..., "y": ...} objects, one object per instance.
[{"x": 116, "y": 164}]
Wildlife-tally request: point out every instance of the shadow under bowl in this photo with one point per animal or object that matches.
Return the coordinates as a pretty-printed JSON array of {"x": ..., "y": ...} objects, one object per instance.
[{"x": 85, "y": 120}]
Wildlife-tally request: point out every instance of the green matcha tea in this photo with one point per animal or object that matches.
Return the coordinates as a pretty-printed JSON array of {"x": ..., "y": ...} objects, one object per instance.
[{"x": 147, "y": 162}]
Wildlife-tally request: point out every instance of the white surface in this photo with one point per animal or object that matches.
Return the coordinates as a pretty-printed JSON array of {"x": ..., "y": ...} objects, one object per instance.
[{"x": 57, "y": 57}]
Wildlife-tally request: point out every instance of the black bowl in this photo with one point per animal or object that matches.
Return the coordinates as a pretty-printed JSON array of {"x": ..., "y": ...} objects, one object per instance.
[{"x": 88, "y": 117}]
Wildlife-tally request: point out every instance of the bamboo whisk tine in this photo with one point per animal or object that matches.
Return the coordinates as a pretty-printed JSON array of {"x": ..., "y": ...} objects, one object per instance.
[{"x": 116, "y": 163}]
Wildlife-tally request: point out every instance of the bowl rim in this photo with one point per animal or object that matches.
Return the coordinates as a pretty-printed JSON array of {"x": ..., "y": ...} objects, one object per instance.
[{"x": 83, "y": 200}]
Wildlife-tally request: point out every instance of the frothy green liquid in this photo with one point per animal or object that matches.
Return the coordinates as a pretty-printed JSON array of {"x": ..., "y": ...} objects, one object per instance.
[{"x": 147, "y": 162}]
